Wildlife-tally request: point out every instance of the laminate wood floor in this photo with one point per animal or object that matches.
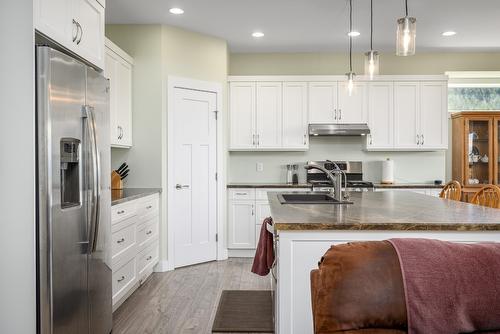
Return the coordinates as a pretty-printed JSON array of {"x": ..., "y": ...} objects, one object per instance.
[{"x": 184, "y": 300}]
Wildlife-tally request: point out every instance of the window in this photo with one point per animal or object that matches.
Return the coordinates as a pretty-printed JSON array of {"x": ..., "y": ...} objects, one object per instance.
[
  {"x": 469, "y": 90},
  {"x": 473, "y": 98}
]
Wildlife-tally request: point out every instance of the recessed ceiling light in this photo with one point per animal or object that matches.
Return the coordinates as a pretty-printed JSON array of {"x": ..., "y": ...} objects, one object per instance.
[
  {"x": 176, "y": 11},
  {"x": 449, "y": 33},
  {"x": 258, "y": 34},
  {"x": 353, "y": 33}
]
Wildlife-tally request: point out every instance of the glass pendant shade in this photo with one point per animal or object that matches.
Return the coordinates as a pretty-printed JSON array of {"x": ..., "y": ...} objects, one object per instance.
[
  {"x": 406, "y": 35},
  {"x": 371, "y": 63},
  {"x": 350, "y": 82}
]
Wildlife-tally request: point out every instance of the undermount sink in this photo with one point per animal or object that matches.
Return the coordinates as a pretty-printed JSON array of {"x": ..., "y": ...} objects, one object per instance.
[{"x": 309, "y": 198}]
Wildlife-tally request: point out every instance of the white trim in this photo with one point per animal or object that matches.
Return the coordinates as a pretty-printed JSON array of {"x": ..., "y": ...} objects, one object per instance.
[
  {"x": 167, "y": 162},
  {"x": 473, "y": 74},
  {"x": 241, "y": 253},
  {"x": 118, "y": 51},
  {"x": 162, "y": 266},
  {"x": 316, "y": 78}
]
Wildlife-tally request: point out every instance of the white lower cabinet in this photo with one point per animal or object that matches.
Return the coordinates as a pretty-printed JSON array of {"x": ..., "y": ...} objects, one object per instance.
[
  {"x": 135, "y": 247},
  {"x": 424, "y": 191},
  {"x": 247, "y": 209}
]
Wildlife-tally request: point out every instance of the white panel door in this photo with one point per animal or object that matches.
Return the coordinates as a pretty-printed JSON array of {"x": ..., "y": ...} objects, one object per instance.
[
  {"x": 53, "y": 19},
  {"x": 322, "y": 102},
  {"x": 433, "y": 115},
  {"x": 262, "y": 211},
  {"x": 242, "y": 115},
  {"x": 352, "y": 109},
  {"x": 295, "y": 123},
  {"x": 194, "y": 168},
  {"x": 90, "y": 44},
  {"x": 124, "y": 102},
  {"x": 406, "y": 114},
  {"x": 269, "y": 114},
  {"x": 241, "y": 224},
  {"x": 110, "y": 72},
  {"x": 381, "y": 115}
]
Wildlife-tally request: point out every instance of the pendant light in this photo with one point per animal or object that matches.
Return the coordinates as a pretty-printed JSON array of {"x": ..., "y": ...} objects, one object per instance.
[
  {"x": 371, "y": 57},
  {"x": 351, "y": 74},
  {"x": 406, "y": 34}
]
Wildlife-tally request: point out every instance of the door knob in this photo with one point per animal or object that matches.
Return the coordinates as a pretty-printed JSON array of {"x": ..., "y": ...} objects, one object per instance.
[{"x": 181, "y": 186}]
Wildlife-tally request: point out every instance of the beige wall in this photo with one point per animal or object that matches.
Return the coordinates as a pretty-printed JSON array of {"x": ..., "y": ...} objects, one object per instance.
[{"x": 336, "y": 63}]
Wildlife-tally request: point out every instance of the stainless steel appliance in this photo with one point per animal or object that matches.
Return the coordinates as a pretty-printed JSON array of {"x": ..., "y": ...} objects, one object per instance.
[
  {"x": 353, "y": 180},
  {"x": 74, "y": 201},
  {"x": 338, "y": 129}
]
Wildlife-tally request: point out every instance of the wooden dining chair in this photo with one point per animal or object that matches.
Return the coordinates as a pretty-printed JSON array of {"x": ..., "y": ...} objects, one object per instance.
[
  {"x": 452, "y": 190},
  {"x": 487, "y": 196}
]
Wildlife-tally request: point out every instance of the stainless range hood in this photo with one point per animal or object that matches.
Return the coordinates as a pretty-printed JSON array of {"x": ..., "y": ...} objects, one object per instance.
[{"x": 338, "y": 129}]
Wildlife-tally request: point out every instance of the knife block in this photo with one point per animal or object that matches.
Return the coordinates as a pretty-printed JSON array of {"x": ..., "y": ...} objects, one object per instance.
[{"x": 116, "y": 181}]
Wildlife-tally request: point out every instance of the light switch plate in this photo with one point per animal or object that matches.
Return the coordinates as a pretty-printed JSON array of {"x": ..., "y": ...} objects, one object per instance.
[{"x": 260, "y": 167}]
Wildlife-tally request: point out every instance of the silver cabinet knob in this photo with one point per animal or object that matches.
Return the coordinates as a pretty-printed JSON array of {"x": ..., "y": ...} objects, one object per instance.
[
  {"x": 120, "y": 241},
  {"x": 121, "y": 279},
  {"x": 181, "y": 186}
]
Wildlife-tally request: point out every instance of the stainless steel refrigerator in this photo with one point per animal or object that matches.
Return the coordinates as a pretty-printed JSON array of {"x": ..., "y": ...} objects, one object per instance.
[{"x": 74, "y": 201}]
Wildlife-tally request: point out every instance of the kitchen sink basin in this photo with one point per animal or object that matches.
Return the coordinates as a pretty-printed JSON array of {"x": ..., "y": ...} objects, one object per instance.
[{"x": 309, "y": 198}]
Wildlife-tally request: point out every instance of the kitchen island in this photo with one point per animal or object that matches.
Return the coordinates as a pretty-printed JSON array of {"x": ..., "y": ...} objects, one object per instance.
[{"x": 304, "y": 232}]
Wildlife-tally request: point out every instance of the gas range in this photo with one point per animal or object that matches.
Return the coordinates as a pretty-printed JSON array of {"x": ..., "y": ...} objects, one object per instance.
[{"x": 354, "y": 174}]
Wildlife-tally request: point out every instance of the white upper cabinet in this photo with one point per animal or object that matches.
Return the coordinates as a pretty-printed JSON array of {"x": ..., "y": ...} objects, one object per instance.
[
  {"x": 269, "y": 115},
  {"x": 322, "y": 102},
  {"x": 242, "y": 116},
  {"x": 77, "y": 25},
  {"x": 273, "y": 113},
  {"x": 352, "y": 109},
  {"x": 381, "y": 115},
  {"x": 118, "y": 69},
  {"x": 295, "y": 125},
  {"x": 406, "y": 114},
  {"x": 433, "y": 122}
]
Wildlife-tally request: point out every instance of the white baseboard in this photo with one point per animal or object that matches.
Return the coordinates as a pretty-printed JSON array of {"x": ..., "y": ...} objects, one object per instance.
[
  {"x": 222, "y": 254},
  {"x": 163, "y": 266},
  {"x": 241, "y": 252}
]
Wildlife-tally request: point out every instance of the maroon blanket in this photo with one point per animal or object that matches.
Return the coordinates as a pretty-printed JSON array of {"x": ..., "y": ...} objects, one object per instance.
[
  {"x": 449, "y": 287},
  {"x": 264, "y": 255}
]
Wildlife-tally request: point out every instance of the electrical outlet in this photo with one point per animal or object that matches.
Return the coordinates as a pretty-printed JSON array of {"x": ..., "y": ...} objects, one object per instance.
[{"x": 260, "y": 167}]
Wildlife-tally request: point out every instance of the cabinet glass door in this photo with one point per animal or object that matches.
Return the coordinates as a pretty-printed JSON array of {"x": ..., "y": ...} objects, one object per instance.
[{"x": 478, "y": 136}]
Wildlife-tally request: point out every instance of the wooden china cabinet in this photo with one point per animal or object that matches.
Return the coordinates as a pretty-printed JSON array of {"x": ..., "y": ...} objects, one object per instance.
[{"x": 476, "y": 150}]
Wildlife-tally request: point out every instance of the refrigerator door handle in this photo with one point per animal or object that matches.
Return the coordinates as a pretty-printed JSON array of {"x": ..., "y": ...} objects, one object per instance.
[{"x": 96, "y": 177}]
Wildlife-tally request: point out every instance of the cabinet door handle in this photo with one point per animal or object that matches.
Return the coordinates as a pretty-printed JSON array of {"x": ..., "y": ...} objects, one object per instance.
[
  {"x": 149, "y": 232},
  {"x": 422, "y": 139},
  {"x": 81, "y": 33},
  {"x": 334, "y": 113},
  {"x": 120, "y": 212},
  {"x": 149, "y": 207},
  {"x": 258, "y": 140},
  {"x": 371, "y": 139},
  {"x": 121, "y": 279},
  {"x": 418, "y": 140},
  {"x": 75, "y": 36},
  {"x": 149, "y": 258},
  {"x": 253, "y": 139},
  {"x": 120, "y": 241},
  {"x": 340, "y": 113},
  {"x": 305, "y": 139},
  {"x": 253, "y": 211},
  {"x": 241, "y": 194}
]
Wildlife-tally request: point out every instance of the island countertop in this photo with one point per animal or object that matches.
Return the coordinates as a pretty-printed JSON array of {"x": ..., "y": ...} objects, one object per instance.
[
  {"x": 119, "y": 196},
  {"x": 397, "y": 211}
]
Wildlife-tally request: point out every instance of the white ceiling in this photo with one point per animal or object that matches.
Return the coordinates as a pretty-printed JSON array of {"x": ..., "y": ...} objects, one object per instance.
[{"x": 321, "y": 25}]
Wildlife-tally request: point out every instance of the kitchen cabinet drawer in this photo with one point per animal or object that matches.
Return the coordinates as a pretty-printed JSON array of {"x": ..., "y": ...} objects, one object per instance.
[
  {"x": 148, "y": 205},
  {"x": 123, "y": 211},
  {"x": 147, "y": 258},
  {"x": 124, "y": 279},
  {"x": 147, "y": 231},
  {"x": 123, "y": 243},
  {"x": 242, "y": 194}
]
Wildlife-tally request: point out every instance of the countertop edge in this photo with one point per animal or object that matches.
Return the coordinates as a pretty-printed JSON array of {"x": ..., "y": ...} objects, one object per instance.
[
  {"x": 424, "y": 226},
  {"x": 304, "y": 185},
  {"x": 142, "y": 192}
]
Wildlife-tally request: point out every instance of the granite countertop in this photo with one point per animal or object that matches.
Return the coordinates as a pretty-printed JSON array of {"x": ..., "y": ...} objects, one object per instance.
[
  {"x": 408, "y": 186},
  {"x": 129, "y": 194},
  {"x": 397, "y": 211},
  {"x": 267, "y": 185},
  {"x": 305, "y": 185}
]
